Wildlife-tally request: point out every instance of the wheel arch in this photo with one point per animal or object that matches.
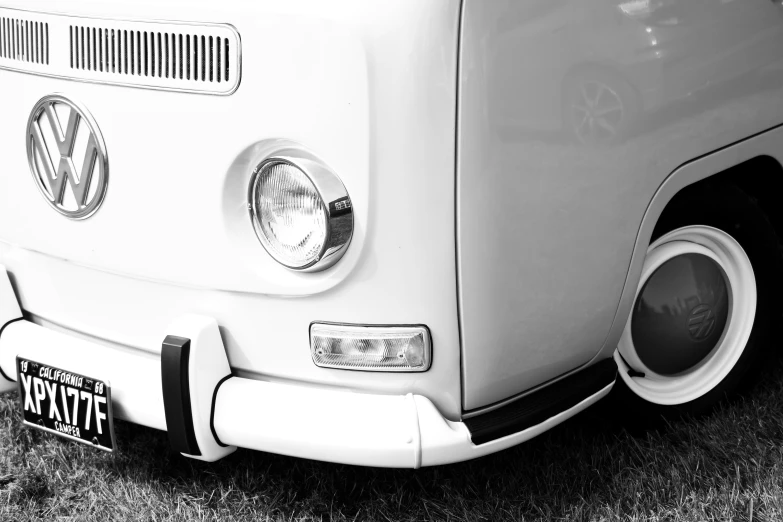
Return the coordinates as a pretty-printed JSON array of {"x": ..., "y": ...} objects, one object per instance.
[
  {"x": 760, "y": 178},
  {"x": 755, "y": 165}
]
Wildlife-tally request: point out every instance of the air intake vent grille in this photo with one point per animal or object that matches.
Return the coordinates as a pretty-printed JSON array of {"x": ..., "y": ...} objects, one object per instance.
[
  {"x": 24, "y": 40},
  {"x": 176, "y": 56},
  {"x": 202, "y": 58}
]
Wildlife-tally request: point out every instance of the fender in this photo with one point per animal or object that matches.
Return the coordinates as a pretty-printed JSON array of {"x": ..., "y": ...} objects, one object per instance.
[{"x": 766, "y": 143}]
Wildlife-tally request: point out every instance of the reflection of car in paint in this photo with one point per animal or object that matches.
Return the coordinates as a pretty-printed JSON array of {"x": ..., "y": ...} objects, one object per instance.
[
  {"x": 293, "y": 226},
  {"x": 606, "y": 61}
]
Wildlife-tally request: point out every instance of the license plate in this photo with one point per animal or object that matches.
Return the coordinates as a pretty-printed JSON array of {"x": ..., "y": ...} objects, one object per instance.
[{"x": 68, "y": 404}]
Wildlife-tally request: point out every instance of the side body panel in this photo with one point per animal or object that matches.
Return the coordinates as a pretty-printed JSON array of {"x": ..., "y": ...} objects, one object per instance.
[{"x": 550, "y": 196}]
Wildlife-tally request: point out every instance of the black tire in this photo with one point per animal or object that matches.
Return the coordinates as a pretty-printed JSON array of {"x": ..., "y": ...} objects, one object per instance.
[{"x": 727, "y": 208}]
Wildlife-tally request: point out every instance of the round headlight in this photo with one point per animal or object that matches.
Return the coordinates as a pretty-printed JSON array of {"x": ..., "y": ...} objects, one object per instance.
[{"x": 301, "y": 212}]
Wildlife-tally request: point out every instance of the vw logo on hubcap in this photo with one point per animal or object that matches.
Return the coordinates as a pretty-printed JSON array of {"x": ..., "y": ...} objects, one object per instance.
[
  {"x": 67, "y": 156},
  {"x": 701, "y": 322}
]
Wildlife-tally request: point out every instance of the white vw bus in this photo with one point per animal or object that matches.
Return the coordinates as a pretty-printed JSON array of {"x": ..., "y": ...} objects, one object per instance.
[{"x": 389, "y": 233}]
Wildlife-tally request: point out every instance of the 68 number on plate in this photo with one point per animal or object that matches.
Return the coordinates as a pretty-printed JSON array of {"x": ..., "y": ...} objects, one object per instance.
[{"x": 67, "y": 404}]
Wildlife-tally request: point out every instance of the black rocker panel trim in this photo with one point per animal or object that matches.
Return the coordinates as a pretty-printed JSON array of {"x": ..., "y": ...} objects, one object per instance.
[
  {"x": 174, "y": 359},
  {"x": 541, "y": 405}
]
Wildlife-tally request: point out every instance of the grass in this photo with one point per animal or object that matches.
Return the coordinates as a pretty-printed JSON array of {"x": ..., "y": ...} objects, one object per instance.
[{"x": 728, "y": 466}]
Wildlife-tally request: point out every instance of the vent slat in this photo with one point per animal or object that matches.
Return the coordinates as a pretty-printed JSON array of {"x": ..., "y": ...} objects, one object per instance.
[
  {"x": 137, "y": 55},
  {"x": 187, "y": 57},
  {"x": 124, "y": 53},
  {"x": 203, "y": 58},
  {"x": 109, "y": 50},
  {"x": 196, "y": 59},
  {"x": 226, "y": 61},
  {"x": 174, "y": 56},
  {"x": 133, "y": 51},
  {"x": 218, "y": 54}
]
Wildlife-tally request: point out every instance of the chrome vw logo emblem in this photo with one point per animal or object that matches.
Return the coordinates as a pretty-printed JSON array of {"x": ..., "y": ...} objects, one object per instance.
[
  {"x": 62, "y": 135},
  {"x": 701, "y": 322}
]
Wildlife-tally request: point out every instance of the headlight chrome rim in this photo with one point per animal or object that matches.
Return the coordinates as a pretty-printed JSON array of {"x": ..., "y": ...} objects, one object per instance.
[{"x": 335, "y": 202}]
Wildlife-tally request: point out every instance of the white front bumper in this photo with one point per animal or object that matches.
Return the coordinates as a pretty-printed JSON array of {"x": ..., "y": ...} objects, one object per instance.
[{"x": 399, "y": 431}]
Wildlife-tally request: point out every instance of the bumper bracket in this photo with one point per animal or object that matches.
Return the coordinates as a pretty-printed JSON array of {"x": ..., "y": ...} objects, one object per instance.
[{"x": 193, "y": 364}]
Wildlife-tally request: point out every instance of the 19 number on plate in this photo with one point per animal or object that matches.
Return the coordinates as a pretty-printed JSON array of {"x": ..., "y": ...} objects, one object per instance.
[{"x": 65, "y": 403}]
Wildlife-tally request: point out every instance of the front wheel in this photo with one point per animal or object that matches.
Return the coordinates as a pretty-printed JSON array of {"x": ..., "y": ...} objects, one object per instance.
[{"x": 704, "y": 306}]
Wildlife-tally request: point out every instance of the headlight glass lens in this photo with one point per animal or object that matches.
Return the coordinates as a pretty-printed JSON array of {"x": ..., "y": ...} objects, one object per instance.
[{"x": 290, "y": 215}]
